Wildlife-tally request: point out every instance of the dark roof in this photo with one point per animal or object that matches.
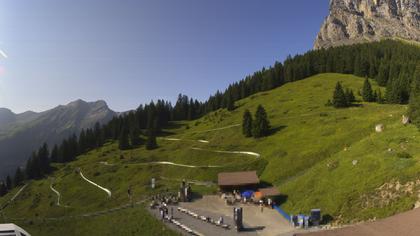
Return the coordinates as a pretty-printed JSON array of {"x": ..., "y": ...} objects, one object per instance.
[
  {"x": 238, "y": 178},
  {"x": 269, "y": 192}
]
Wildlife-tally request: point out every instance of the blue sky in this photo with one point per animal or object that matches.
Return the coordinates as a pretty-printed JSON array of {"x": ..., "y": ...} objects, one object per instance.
[{"x": 128, "y": 52}]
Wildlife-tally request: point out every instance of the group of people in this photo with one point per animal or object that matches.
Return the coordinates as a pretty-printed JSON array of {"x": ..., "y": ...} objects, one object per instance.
[
  {"x": 168, "y": 199},
  {"x": 235, "y": 196},
  {"x": 164, "y": 212},
  {"x": 219, "y": 222}
]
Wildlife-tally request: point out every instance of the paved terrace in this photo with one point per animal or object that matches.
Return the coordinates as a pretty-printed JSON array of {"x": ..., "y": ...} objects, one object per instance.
[{"x": 266, "y": 223}]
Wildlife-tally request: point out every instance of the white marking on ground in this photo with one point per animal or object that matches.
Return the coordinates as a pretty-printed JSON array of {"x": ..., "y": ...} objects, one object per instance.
[
  {"x": 164, "y": 163},
  {"x": 57, "y": 193},
  {"x": 222, "y": 128},
  {"x": 18, "y": 192},
  {"x": 105, "y": 163},
  {"x": 96, "y": 185},
  {"x": 177, "y": 139},
  {"x": 257, "y": 155}
]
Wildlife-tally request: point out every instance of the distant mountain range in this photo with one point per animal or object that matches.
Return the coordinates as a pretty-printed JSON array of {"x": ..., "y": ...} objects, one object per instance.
[{"x": 20, "y": 134}]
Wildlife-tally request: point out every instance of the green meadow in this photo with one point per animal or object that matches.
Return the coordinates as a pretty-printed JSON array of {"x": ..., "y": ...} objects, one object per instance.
[{"x": 317, "y": 156}]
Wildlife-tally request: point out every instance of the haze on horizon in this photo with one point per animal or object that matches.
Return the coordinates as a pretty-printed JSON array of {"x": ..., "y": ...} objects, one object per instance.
[{"x": 131, "y": 52}]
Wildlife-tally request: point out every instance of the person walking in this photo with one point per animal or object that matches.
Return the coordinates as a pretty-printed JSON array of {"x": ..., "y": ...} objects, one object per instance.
[{"x": 130, "y": 194}]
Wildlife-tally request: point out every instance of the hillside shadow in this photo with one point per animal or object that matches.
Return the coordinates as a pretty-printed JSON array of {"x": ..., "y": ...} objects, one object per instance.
[
  {"x": 165, "y": 133},
  {"x": 326, "y": 219},
  {"x": 253, "y": 229},
  {"x": 274, "y": 130},
  {"x": 281, "y": 199}
]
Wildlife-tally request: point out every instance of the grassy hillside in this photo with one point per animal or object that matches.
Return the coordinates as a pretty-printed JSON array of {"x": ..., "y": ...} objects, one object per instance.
[{"x": 320, "y": 157}]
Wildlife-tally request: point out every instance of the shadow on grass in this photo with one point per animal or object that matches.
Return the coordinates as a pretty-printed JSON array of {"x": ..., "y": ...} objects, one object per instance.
[
  {"x": 281, "y": 199},
  {"x": 274, "y": 130}
]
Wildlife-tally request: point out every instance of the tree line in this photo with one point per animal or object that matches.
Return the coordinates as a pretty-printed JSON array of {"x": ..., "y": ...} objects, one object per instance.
[
  {"x": 390, "y": 63},
  {"x": 344, "y": 97}
]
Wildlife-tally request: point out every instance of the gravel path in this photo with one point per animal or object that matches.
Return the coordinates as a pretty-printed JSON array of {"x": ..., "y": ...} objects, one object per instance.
[
  {"x": 257, "y": 155},
  {"x": 201, "y": 226},
  {"x": 57, "y": 193},
  {"x": 177, "y": 139},
  {"x": 96, "y": 185},
  {"x": 164, "y": 163},
  {"x": 217, "y": 129}
]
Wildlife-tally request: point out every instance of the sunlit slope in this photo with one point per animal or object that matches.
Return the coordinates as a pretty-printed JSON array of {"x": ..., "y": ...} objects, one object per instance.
[{"x": 309, "y": 156}]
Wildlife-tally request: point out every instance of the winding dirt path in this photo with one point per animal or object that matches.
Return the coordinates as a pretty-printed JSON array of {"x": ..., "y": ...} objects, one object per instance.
[
  {"x": 217, "y": 129},
  {"x": 96, "y": 185},
  {"x": 257, "y": 155},
  {"x": 18, "y": 193},
  {"x": 163, "y": 163},
  {"x": 178, "y": 139},
  {"x": 58, "y": 195}
]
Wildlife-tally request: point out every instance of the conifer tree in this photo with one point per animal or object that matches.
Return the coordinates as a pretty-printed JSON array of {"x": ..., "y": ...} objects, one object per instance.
[
  {"x": 3, "y": 189},
  {"x": 247, "y": 124},
  {"x": 367, "y": 93},
  {"x": 230, "y": 106},
  {"x": 339, "y": 98},
  {"x": 261, "y": 126},
  {"x": 151, "y": 140},
  {"x": 350, "y": 96},
  {"x": 19, "y": 177},
  {"x": 54, "y": 154},
  {"x": 44, "y": 162},
  {"x": 414, "y": 105},
  {"x": 379, "y": 97},
  {"x": 123, "y": 142},
  {"x": 135, "y": 139},
  {"x": 9, "y": 184}
]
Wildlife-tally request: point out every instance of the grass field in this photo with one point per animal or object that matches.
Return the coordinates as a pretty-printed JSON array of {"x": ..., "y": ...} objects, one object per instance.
[{"x": 318, "y": 156}]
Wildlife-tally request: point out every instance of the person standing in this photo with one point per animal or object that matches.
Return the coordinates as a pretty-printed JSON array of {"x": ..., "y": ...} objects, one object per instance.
[{"x": 130, "y": 196}]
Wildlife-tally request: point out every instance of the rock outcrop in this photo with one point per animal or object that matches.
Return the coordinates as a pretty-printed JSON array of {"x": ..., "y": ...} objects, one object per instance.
[{"x": 356, "y": 21}]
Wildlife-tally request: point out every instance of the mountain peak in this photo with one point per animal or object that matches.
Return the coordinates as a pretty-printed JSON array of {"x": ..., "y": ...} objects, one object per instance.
[
  {"x": 356, "y": 21},
  {"x": 5, "y": 111}
]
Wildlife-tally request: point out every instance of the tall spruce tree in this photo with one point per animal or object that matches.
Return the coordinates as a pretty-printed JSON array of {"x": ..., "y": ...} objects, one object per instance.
[
  {"x": 414, "y": 105},
  {"x": 54, "y": 154},
  {"x": 135, "y": 139},
  {"x": 261, "y": 126},
  {"x": 367, "y": 93},
  {"x": 123, "y": 142},
  {"x": 339, "y": 97},
  {"x": 151, "y": 140},
  {"x": 350, "y": 96},
  {"x": 19, "y": 177},
  {"x": 247, "y": 123},
  {"x": 44, "y": 161},
  {"x": 9, "y": 184},
  {"x": 3, "y": 189},
  {"x": 230, "y": 106}
]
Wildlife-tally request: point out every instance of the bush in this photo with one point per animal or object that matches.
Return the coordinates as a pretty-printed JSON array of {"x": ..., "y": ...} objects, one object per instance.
[{"x": 404, "y": 155}]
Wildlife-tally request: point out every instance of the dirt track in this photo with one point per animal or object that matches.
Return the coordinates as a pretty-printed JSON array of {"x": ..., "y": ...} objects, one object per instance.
[{"x": 404, "y": 224}]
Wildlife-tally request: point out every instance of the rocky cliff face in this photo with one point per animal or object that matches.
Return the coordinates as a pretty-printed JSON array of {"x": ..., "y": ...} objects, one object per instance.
[{"x": 355, "y": 21}]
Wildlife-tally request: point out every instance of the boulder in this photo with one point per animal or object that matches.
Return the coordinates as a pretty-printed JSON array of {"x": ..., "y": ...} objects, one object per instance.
[
  {"x": 405, "y": 120},
  {"x": 379, "y": 128}
]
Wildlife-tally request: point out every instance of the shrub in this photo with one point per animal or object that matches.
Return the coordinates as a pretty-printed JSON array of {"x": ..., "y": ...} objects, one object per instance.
[{"x": 404, "y": 155}]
